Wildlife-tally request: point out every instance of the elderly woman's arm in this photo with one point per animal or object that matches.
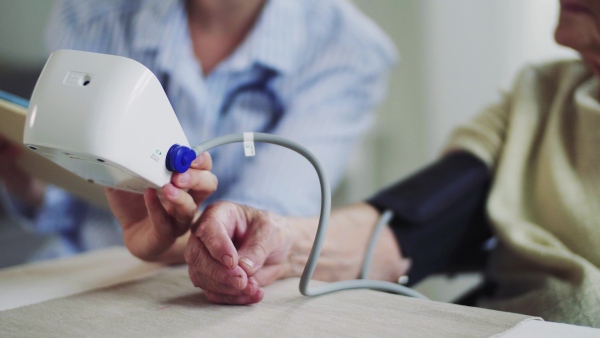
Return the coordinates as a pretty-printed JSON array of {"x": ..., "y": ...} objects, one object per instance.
[{"x": 237, "y": 249}]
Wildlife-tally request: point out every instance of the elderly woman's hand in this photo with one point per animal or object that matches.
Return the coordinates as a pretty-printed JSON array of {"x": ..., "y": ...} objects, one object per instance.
[
  {"x": 151, "y": 225},
  {"x": 237, "y": 249}
]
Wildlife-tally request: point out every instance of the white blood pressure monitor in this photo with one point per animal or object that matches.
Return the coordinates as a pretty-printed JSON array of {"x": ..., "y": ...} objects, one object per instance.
[{"x": 106, "y": 118}]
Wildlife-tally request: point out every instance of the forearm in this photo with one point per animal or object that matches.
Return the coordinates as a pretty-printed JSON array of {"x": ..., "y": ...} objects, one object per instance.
[{"x": 348, "y": 234}]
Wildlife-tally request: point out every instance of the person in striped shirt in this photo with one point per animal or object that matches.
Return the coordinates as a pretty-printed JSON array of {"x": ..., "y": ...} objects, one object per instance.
[{"x": 309, "y": 70}]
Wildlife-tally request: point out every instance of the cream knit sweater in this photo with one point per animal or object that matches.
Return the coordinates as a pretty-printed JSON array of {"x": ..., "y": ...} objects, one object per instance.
[{"x": 542, "y": 144}]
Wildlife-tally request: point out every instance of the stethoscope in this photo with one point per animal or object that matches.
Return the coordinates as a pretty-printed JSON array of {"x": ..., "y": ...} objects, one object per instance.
[{"x": 261, "y": 86}]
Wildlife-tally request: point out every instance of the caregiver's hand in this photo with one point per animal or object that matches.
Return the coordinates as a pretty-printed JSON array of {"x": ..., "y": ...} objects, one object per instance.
[{"x": 153, "y": 227}]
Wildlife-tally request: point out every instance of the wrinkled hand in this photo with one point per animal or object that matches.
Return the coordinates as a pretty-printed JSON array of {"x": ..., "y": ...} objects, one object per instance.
[
  {"x": 235, "y": 250},
  {"x": 18, "y": 183},
  {"x": 152, "y": 225}
]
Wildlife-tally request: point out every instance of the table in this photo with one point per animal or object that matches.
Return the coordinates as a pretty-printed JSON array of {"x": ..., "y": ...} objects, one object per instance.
[{"x": 111, "y": 293}]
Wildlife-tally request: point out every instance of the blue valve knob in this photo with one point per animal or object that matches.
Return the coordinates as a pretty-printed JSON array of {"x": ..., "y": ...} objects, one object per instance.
[{"x": 179, "y": 158}]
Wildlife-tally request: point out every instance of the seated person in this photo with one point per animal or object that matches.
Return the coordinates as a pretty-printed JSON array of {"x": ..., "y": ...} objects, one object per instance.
[{"x": 540, "y": 145}]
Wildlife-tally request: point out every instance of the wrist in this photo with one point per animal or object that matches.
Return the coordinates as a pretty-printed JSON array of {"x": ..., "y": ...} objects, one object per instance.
[
  {"x": 301, "y": 235},
  {"x": 174, "y": 255},
  {"x": 342, "y": 253},
  {"x": 171, "y": 256}
]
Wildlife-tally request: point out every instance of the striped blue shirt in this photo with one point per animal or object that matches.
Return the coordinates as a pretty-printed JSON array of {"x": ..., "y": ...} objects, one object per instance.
[{"x": 326, "y": 64}]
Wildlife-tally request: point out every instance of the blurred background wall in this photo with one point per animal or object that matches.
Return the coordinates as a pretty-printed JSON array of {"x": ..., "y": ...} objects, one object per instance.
[
  {"x": 22, "y": 52},
  {"x": 456, "y": 56}
]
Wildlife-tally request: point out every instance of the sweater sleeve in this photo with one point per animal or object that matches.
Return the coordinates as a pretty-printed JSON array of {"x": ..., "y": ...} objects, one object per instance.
[{"x": 484, "y": 135}]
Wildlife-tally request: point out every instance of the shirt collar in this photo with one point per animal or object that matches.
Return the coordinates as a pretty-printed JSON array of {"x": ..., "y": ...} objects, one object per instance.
[
  {"x": 274, "y": 41},
  {"x": 150, "y": 21}
]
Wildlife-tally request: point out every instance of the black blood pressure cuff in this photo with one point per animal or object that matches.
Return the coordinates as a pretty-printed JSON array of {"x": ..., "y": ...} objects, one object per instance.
[{"x": 439, "y": 214}]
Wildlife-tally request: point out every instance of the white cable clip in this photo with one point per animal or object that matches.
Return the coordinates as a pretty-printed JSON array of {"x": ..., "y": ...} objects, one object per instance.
[{"x": 249, "y": 144}]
